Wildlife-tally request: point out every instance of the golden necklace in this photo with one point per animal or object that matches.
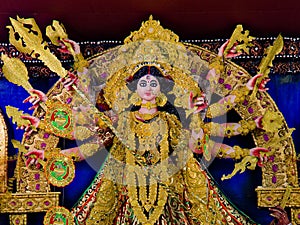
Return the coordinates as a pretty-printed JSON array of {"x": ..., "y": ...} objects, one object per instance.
[
  {"x": 149, "y": 105},
  {"x": 146, "y": 116},
  {"x": 142, "y": 196}
]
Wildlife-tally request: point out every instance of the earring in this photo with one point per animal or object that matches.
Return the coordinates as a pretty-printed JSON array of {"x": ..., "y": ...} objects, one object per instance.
[
  {"x": 161, "y": 99},
  {"x": 135, "y": 99}
]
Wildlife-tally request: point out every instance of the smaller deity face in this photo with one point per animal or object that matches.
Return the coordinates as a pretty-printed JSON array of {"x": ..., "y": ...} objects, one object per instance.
[{"x": 148, "y": 88}]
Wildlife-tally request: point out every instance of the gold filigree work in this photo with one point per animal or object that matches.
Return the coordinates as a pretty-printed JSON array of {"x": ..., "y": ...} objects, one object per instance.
[
  {"x": 153, "y": 45},
  {"x": 152, "y": 30}
]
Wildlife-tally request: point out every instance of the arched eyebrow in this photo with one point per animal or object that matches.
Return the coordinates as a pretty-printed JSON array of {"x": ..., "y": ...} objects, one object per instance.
[{"x": 142, "y": 83}]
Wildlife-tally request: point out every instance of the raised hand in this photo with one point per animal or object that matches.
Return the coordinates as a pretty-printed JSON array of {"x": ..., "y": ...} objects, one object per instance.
[
  {"x": 64, "y": 48},
  {"x": 199, "y": 103},
  {"x": 33, "y": 123},
  {"x": 258, "y": 122},
  {"x": 231, "y": 53},
  {"x": 33, "y": 157},
  {"x": 36, "y": 97},
  {"x": 260, "y": 154},
  {"x": 280, "y": 215},
  {"x": 69, "y": 81},
  {"x": 261, "y": 86}
]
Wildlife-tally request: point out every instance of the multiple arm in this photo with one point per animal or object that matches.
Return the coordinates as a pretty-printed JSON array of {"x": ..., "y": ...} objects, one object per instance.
[{"x": 97, "y": 134}]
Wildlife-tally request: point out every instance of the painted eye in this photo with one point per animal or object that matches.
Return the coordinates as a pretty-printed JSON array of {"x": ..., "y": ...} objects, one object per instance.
[
  {"x": 153, "y": 84},
  {"x": 143, "y": 84}
]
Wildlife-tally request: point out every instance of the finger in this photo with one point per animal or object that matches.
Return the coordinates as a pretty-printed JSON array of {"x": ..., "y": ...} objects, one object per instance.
[
  {"x": 25, "y": 117},
  {"x": 233, "y": 49},
  {"x": 31, "y": 100},
  {"x": 199, "y": 109},
  {"x": 278, "y": 210},
  {"x": 67, "y": 80},
  {"x": 201, "y": 102},
  {"x": 201, "y": 98},
  {"x": 250, "y": 84},
  {"x": 62, "y": 48},
  {"x": 32, "y": 161},
  {"x": 74, "y": 45},
  {"x": 27, "y": 162},
  {"x": 33, "y": 107},
  {"x": 222, "y": 48},
  {"x": 27, "y": 128},
  {"x": 258, "y": 122},
  {"x": 70, "y": 83},
  {"x": 71, "y": 75},
  {"x": 28, "y": 154},
  {"x": 275, "y": 215},
  {"x": 191, "y": 104},
  {"x": 37, "y": 92},
  {"x": 36, "y": 101},
  {"x": 232, "y": 55},
  {"x": 27, "y": 99},
  {"x": 21, "y": 127},
  {"x": 29, "y": 132}
]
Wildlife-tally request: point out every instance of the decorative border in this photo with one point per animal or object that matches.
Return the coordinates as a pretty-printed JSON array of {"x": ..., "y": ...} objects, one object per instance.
[
  {"x": 28, "y": 202},
  {"x": 287, "y": 62},
  {"x": 267, "y": 197}
]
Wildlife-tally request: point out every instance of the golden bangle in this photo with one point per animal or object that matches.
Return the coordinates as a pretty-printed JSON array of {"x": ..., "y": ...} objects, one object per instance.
[
  {"x": 239, "y": 152},
  {"x": 48, "y": 153},
  {"x": 246, "y": 126},
  {"x": 42, "y": 125}
]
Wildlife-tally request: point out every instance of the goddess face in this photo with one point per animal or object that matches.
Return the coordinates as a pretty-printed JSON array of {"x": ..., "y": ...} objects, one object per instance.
[{"x": 148, "y": 88}]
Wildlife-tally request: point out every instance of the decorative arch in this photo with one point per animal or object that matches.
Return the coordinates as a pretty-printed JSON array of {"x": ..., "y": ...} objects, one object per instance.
[{"x": 279, "y": 175}]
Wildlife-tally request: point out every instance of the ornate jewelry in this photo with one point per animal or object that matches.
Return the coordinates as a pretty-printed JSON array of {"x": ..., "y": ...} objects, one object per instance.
[
  {"x": 152, "y": 30},
  {"x": 238, "y": 152},
  {"x": 58, "y": 216},
  {"x": 161, "y": 99},
  {"x": 246, "y": 126},
  {"x": 148, "y": 198},
  {"x": 60, "y": 170},
  {"x": 146, "y": 116},
  {"x": 135, "y": 99},
  {"x": 184, "y": 84},
  {"x": 58, "y": 119},
  {"x": 240, "y": 94},
  {"x": 148, "y": 105}
]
